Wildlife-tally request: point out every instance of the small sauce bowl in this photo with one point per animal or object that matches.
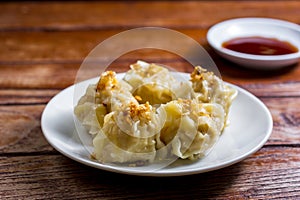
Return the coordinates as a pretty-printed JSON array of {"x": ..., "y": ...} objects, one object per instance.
[{"x": 255, "y": 27}]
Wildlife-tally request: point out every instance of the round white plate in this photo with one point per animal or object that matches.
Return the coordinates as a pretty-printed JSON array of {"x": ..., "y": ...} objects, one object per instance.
[
  {"x": 263, "y": 27},
  {"x": 250, "y": 127}
]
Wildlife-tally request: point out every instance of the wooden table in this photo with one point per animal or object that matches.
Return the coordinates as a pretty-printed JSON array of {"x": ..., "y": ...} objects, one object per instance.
[{"x": 42, "y": 47}]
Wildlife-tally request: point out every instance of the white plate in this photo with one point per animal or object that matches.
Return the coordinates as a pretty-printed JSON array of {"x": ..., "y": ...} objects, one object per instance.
[
  {"x": 250, "y": 127},
  {"x": 264, "y": 27}
]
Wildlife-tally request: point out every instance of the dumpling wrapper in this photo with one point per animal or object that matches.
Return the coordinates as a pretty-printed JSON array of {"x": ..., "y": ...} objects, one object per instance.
[{"x": 191, "y": 128}]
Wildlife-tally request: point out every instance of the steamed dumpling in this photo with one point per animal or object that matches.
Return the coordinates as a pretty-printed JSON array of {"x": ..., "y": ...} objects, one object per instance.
[
  {"x": 209, "y": 88},
  {"x": 116, "y": 146},
  {"x": 155, "y": 84},
  {"x": 128, "y": 135},
  {"x": 100, "y": 99},
  {"x": 191, "y": 128},
  {"x": 111, "y": 92}
]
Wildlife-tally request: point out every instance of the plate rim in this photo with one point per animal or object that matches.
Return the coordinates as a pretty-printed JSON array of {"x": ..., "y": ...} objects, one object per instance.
[{"x": 162, "y": 172}]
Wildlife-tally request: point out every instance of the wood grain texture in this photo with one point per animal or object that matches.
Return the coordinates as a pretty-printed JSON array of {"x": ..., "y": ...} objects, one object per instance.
[
  {"x": 286, "y": 120},
  {"x": 26, "y": 118},
  {"x": 51, "y": 60},
  {"x": 105, "y": 15},
  {"x": 269, "y": 173},
  {"x": 43, "y": 44},
  {"x": 26, "y": 96},
  {"x": 69, "y": 46}
]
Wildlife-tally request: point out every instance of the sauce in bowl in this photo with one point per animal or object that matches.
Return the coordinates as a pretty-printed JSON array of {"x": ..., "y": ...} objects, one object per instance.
[{"x": 257, "y": 45}]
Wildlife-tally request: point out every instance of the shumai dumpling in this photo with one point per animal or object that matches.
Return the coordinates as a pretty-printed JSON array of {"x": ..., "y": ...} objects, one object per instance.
[
  {"x": 111, "y": 92},
  {"x": 209, "y": 88},
  {"x": 86, "y": 108},
  {"x": 191, "y": 128},
  {"x": 128, "y": 135},
  {"x": 100, "y": 99},
  {"x": 155, "y": 84}
]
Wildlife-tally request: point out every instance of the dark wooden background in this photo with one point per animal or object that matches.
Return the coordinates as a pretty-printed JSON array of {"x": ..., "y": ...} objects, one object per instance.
[{"x": 42, "y": 45}]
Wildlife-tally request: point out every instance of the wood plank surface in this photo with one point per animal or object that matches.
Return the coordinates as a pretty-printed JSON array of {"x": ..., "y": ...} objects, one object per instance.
[
  {"x": 269, "y": 173},
  {"x": 21, "y": 130},
  {"x": 105, "y": 15},
  {"x": 26, "y": 96},
  {"x": 59, "y": 55},
  {"x": 43, "y": 44},
  {"x": 70, "y": 46}
]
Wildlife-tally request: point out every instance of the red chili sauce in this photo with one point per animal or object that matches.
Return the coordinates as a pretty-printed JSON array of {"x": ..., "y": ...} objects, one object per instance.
[{"x": 260, "y": 46}]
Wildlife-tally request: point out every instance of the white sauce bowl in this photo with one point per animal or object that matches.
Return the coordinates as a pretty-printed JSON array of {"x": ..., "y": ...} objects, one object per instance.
[{"x": 262, "y": 27}]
